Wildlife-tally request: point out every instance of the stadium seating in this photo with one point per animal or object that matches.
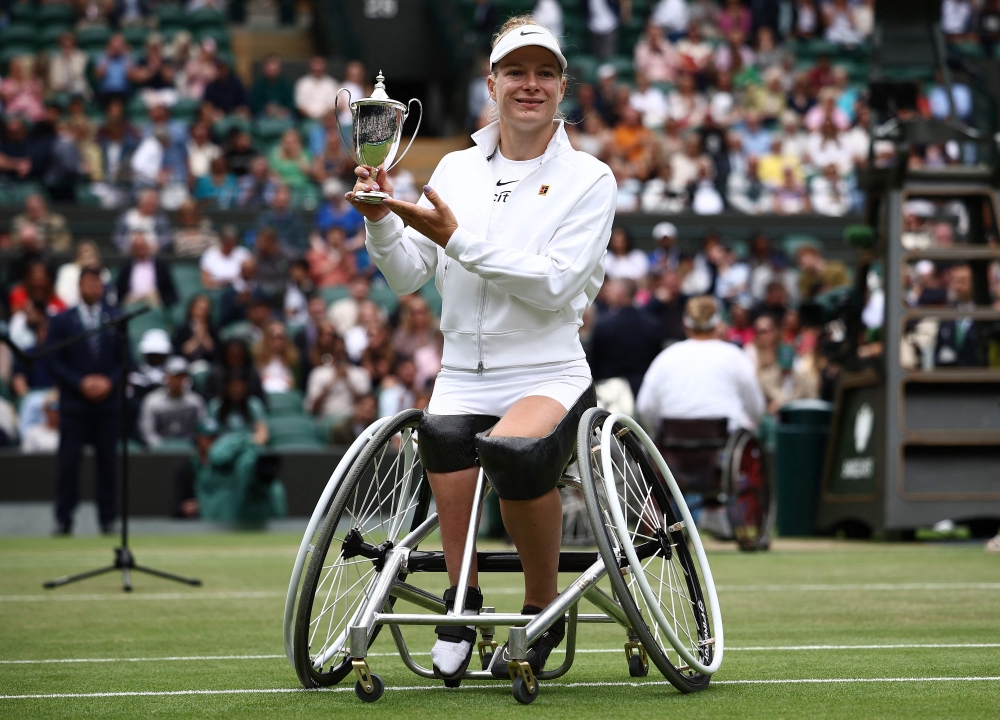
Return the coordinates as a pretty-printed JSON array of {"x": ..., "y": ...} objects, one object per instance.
[{"x": 287, "y": 404}]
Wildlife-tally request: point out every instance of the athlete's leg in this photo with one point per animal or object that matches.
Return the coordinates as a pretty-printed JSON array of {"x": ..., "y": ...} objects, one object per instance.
[
  {"x": 534, "y": 525},
  {"x": 453, "y": 493}
]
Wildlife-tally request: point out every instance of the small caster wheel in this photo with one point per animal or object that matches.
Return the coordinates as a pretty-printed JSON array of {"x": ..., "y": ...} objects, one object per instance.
[
  {"x": 377, "y": 690},
  {"x": 636, "y": 667},
  {"x": 453, "y": 683},
  {"x": 521, "y": 693},
  {"x": 487, "y": 660}
]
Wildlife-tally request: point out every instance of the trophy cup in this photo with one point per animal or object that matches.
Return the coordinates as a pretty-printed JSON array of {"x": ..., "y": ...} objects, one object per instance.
[{"x": 375, "y": 134}]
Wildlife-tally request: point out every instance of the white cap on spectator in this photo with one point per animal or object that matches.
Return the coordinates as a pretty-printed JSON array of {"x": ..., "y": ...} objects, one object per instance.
[
  {"x": 176, "y": 365},
  {"x": 920, "y": 208},
  {"x": 925, "y": 267},
  {"x": 605, "y": 71},
  {"x": 155, "y": 341},
  {"x": 664, "y": 229},
  {"x": 526, "y": 35}
]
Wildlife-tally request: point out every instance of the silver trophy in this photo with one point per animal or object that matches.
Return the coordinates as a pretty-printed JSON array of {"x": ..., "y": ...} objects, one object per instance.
[{"x": 375, "y": 134}]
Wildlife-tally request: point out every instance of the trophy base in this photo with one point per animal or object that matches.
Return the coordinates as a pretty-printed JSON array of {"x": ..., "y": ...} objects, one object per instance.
[{"x": 372, "y": 198}]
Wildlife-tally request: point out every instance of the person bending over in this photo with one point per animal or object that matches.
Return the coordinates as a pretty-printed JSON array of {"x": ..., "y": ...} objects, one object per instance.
[{"x": 513, "y": 231}]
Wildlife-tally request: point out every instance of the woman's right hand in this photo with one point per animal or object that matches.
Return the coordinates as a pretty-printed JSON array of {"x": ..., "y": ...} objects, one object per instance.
[{"x": 365, "y": 184}]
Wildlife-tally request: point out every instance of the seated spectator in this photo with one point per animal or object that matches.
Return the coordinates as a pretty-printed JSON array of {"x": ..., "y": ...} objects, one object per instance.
[
  {"x": 330, "y": 262},
  {"x": 829, "y": 194},
  {"x": 794, "y": 142},
  {"x": 347, "y": 430},
  {"x": 196, "y": 339},
  {"x": 961, "y": 97},
  {"x": 746, "y": 192},
  {"x": 290, "y": 162},
  {"x": 768, "y": 99},
  {"x": 149, "y": 169},
  {"x": 150, "y": 372},
  {"x": 626, "y": 339},
  {"x": 306, "y": 335},
  {"x": 775, "y": 367},
  {"x": 685, "y": 104},
  {"x": 316, "y": 92},
  {"x": 817, "y": 116},
  {"x": 549, "y": 14},
  {"x": 666, "y": 304},
  {"x": 344, "y": 313},
  {"x": 272, "y": 95},
  {"x": 199, "y": 70},
  {"x": 236, "y": 410},
  {"x": 193, "y": 233},
  {"x": 960, "y": 342},
  {"x": 233, "y": 357},
  {"x": 51, "y": 230},
  {"x": 694, "y": 55},
  {"x": 31, "y": 382},
  {"x": 68, "y": 277},
  {"x": 828, "y": 147},
  {"x": 801, "y": 99},
  {"x": 740, "y": 331},
  {"x": 772, "y": 164},
  {"x": 240, "y": 153},
  {"x": 841, "y": 24},
  {"x": 648, "y": 100},
  {"x": 144, "y": 277},
  {"x": 417, "y": 328},
  {"x": 171, "y": 412},
  {"x": 398, "y": 390},
  {"x": 687, "y": 168},
  {"x": 145, "y": 217},
  {"x": 659, "y": 195},
  {"x": 732, "y": 281},
  {"x": 112, "y": 71},
  {"x": 334, "y": 383},
  {"x": 285, "y": 221},
  {"x": 277, "y": 360},
  {"x": 201, "y": 151},
  {"x": 767, "y": 53},
  {"x": 15, "y": 160},
  {"x": 68, "y": 68},
  {"x": 634, "y": 143},
  {"x": 701, "y": 377},
  {"x": 806, "y": 19},
  {"x": 336, "y": 211},
  {"x": 273, "y": 263},
  {"x": 226, "y": 92},
  {"x": 623, "y": 261},
  {"x": 21, "y": 92},
  {"x": 734, "y": 56},
  {"x": 244, "y": 301},
  {"x": 219, "y": 188},
  {"x": 154, "y": 76},
  {"x": 790, "y": 197},
  {"x": 734, "y": 16},
  {"x": 655, "y": 57},
  {"x": 221, "y": 264},
  {"x": 257, "y": 188},
  {"x": 36, "y": 285},
  {"x": 817, "y": 274},
  {"x": 43, "y": 437},
  {"x": 298, "y": 289},
  {"x": 755, "y": 137}
]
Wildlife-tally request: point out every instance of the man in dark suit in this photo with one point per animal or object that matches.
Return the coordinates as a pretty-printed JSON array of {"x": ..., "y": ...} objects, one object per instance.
[
  {"x": 959, "y": 343},
  {"x": 87, "y": 373},
  {"x": 145, "y": 277}
]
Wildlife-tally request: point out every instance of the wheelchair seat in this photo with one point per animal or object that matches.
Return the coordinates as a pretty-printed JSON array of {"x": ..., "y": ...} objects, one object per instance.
[{"x": 692, "y": 448}]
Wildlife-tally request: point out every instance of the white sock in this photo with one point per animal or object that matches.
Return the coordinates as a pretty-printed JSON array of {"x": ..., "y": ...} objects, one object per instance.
[{"x": 449, "y": 656}]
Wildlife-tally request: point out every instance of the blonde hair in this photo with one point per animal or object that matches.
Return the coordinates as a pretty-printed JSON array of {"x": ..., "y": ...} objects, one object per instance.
[
  {"x": 513, "y": 23},
  {"x": 701, "y": 314}
]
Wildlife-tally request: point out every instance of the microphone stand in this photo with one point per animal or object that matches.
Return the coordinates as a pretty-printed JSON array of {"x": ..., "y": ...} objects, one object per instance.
[{"x": 124, "y": 559}]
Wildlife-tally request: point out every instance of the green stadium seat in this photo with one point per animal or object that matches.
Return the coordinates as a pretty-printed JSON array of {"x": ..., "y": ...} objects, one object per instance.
[
  {"x": 220, "y": 35},
  {"x": 136, "y": 110},
  {"x": 91, "y": 38},
  {"x": 292, "y": 428},
  {"x": 48, "y": 36},
  {"x": 306, "y": 198},
  {"x": 135, "y": 36},
  {"x": 299, "y": 445},
  {"x": 430, "y": 293},
  {"x": 85, "y": 195},
  {"x": 185, "y": 109},
  {"x": 18, "y": 34},
  {"x": 9, "y": 52},
  {"x": 187, "y": 279},
  {"x": 269, "y": 130},
  {"x": 23, "y": 12},
  {"x": 173, "y": 446},
  {"x": 791, "y": 243},
  {"x": 55, "y": 13},
  {"x": 287, "y": 404},
  {"x": 155, "y": 318},
  {"x": 14, "y": 196},
  {"x": 623, "y": 64},
  {"x": 206, "y": 18},
  {"x": 381, "y": 294},
  {"x": 583, "y": 68},
  {"x": 223, "y": 127},
  {"x": 170, "y": 14},
  {"x": 968, "y": 49}
]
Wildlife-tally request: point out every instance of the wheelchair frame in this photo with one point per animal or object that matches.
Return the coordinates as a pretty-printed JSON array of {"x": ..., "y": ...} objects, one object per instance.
[{"x": 376, "y": 610}]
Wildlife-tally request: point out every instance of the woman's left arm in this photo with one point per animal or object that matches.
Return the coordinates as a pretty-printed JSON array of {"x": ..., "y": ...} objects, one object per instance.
[{"x": 550, "y": 279}]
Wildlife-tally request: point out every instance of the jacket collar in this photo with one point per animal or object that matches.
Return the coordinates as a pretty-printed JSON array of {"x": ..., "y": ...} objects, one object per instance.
[{"x": 488, "y": 140}]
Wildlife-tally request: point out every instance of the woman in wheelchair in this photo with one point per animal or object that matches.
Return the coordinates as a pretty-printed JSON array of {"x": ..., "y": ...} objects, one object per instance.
[{"x": 513, "y": 231}]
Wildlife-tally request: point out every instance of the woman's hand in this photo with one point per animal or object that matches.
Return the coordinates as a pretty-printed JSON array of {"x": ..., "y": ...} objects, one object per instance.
[
  {"x": 365, "y": 184},
  {"x": 437, "y": 223}
]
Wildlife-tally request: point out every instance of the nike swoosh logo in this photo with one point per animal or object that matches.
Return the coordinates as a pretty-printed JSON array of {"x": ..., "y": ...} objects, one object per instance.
[
  {"x": 533, "y": 32},
  {"x": 500, "y": 183}
]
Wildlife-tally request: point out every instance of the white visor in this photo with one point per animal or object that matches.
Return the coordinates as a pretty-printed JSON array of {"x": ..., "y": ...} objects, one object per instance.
[{"x": 522, "y": 37}]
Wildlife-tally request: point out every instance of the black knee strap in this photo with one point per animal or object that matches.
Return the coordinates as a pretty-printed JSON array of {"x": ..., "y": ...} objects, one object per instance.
[
  {"x": 527, "y": 468},
  {"x": 448, "y": 442},
  {"x": 458, "y": 633}
]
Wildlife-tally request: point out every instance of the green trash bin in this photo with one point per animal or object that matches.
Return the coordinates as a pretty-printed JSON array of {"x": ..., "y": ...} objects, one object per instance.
[{"x": 800, "y": 450}]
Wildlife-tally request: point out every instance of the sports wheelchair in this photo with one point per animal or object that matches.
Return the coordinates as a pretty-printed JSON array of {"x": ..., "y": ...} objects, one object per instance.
[
  {"x": 649, "y": 574},
  {"x": 724, "y": 477}
]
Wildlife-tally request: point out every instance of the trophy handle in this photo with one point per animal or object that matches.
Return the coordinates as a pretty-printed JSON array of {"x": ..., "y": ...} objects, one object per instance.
[
  {"x": 340, "y": 129},
  {"x": 412, "y": 137}
]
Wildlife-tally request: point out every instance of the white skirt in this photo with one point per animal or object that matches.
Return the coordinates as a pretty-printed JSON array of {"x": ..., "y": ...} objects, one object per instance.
[{"x": 466, "y": 392}]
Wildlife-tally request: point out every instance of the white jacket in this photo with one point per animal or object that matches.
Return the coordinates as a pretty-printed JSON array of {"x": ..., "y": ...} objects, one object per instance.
[{"x": 516, "y": 298}]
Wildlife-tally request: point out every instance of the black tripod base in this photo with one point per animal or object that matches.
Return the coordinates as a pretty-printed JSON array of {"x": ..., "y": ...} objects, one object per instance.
[{"x": 126, "y": 563}]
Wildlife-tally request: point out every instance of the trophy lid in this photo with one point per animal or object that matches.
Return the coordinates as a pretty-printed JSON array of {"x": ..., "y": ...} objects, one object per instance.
[{"x": 379, "y": 92}]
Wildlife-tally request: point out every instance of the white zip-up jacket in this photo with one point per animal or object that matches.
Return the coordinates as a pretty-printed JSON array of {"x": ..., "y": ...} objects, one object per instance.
[{"x": 515, "y": 297}]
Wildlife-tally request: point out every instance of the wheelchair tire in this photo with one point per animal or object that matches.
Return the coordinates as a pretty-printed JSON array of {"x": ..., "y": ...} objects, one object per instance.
[
  {"x": 382, "y": 497},
  {"x": 750, "y": 498},
  {"x": 648, "y": 508}
]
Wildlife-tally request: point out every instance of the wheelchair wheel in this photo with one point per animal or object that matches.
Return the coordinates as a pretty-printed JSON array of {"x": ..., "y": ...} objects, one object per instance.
[
  {"x": 643, "y": 531},
  {"x": 747, "y": 487},
  {"x": 381, "y": 498}
]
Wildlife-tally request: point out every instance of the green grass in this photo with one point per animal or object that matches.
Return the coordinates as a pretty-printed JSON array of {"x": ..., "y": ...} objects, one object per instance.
[{"x": 837, "y": 593}]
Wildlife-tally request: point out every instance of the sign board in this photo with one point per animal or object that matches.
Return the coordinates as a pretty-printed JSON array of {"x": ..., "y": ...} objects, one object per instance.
[{"x": 854, "y": 465}]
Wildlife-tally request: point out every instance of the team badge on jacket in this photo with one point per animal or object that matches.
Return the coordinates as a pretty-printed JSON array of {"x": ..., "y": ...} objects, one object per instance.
[{"x": 543, "y": 190}]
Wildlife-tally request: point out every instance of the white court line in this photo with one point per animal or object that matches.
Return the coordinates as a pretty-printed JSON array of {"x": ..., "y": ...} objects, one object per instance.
[
  {"x": 495, "y": 686},
  {"x": 265, "y": 594},
  {"x": 757, "y": 648}
]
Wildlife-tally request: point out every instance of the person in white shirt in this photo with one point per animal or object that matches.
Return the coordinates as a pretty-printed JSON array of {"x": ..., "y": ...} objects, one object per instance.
[
  {"x": 316, "y": 93},
  {"x": 44, "y": 437},
  {"x": 201, "y": 151},
  {"x": 355, "y": 79},
  {"x": 829, "y": 193},
  {"x": 624, "y": 262},
  {"x": 701, "y": 377},
  {"x": 221, "y": 264},
  {"x": 672, "y": 16},
  {"x": 603, "y": 21},
  {"x": 147, "y": 161},
  {"x": 648, "y": 100},
  {"x": 549, "y": 14}
]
